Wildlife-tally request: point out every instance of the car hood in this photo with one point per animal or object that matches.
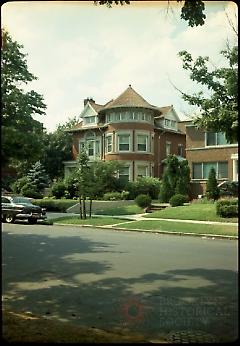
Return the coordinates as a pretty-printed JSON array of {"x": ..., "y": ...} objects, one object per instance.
[{"x": 28, "y": 205}]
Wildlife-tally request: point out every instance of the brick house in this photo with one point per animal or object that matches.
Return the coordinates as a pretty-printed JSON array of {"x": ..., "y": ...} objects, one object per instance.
[
  {"x": 130, "y": 130},
  {"x": 205, "y": 150}
]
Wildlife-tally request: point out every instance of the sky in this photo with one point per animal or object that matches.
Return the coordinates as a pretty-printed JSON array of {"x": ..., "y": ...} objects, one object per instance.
[{"x": 79, "y": 50}]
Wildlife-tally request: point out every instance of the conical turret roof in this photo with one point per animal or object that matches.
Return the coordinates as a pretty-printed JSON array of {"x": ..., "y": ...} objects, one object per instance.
[{"x": 129, "y": 98}]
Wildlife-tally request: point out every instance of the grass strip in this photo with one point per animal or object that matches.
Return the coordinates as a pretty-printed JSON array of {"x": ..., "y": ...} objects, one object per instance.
[
  {"x": 201, "y": 212},
  {"x": 170, "y": 226},
  {"x": 94, "y": 221},
  {"x": 127, "y": 210}
]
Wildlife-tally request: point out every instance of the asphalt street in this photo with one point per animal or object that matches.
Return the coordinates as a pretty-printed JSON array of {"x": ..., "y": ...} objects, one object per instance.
[{"x": 120, "y": 280}]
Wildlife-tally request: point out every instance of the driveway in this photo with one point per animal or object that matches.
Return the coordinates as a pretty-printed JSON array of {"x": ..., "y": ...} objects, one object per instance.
[{"x": 118, "y": 280}]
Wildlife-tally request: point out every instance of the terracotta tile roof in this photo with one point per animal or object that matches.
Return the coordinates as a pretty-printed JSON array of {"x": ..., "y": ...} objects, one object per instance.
[{"x": 129, "y": 98}]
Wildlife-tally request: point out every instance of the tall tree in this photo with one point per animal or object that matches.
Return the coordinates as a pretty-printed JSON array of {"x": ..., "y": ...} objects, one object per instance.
[
  {"x": 57, "y": 147},
  {"x": 37, "y": 176},
  {"x": 219, "y": 112},
  {"x": 176, "y": 178},
  {"x": 192, "y": 10},
  {"x": 84, "y": 183},
  {"x": 21, "y": 134}
]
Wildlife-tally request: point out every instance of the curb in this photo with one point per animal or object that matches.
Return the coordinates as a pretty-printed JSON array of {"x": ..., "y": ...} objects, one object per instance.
[{"x": 203, "y": 235}]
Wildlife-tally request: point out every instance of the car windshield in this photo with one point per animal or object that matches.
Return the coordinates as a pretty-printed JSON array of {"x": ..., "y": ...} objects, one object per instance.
[{"x": 21, "y": 200}]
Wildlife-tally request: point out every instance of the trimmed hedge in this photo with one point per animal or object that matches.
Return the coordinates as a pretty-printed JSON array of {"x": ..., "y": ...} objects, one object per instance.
[
  {"x": 178, "y": 200},
  {"x": 115, "y": 196},
  {"x": 112, "y": 196},
  {"x": 143, "y": 201},
  {"x": 227, "y": 208},
  {"x": 59, "y": 205}
]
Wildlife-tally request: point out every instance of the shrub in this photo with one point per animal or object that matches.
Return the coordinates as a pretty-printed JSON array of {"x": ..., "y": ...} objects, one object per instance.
[
  {"x": 212, "y": 190},
  {"x": 125, "y": 195},
  {"x": 144, "y": 185},
  {"x": 71, "y": 185},
  {"x": 60, "y": 205},
  {"x": 112, "y": 196},
  {"x": 229, "y": 188},
  {"x": 29, "y": 190},
  {"x": 227, "y": 208},
  {"x": 166, "y": 191},
  {"x": 203, "y": 200},
  {"x": 17, "y": 186},
  {"x": 178, "y": 200},
  {"x": 58, "y": 189},
  {"x": 143, "y": 201}
]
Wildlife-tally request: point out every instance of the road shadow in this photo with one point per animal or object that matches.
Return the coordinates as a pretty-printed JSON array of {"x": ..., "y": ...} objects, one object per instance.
[{"x": 170, "y": 303}]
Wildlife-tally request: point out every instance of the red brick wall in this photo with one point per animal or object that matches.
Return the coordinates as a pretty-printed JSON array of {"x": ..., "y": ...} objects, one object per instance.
[
  {"x": 194, "y": 138},
  {"x": 160, "y": 140}
]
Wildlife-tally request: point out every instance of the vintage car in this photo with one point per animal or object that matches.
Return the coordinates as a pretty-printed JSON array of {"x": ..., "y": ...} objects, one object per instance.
[{"x": 21, "y": 208}]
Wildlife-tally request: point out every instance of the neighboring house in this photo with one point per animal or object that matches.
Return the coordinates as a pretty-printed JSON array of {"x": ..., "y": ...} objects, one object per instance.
[
  {"x": 130, "y": 130},
  {"x": 205, "y": 150}
]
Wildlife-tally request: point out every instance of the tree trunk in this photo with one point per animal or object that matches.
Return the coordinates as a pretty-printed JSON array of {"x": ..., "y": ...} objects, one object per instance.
[
  {"x": 84, "y": 208},
  {"x": 90, "y": 208},
  {"x": 80, "y": 207}
]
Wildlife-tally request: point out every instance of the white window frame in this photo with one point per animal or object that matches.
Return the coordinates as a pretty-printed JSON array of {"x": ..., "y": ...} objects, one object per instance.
[
  {"x": 124, "y": 133},
  {"x": 146, "y": 170},
  {"x": 216, "y": 145},
  {"x": 168, "y": 143},
  {"x": 217, "y": 170},
  {"x": 109, "y": 135},
  {"x": 129, "y": 172},
  {"x": 182, "y": 149},
  {"x": 147, "y": 136}
]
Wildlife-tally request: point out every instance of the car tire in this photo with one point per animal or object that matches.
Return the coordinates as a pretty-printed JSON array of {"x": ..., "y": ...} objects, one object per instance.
[
  {"x": 9, "y": 218},
  {"x": 32, "y": 221}
]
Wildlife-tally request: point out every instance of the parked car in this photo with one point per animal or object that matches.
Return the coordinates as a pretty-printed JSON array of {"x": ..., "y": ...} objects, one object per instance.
[{"x": 21, "y": 208}]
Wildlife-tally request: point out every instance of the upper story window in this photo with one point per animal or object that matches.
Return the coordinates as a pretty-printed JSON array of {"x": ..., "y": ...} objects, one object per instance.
[
  {"x": 133, "y": 115},
  {"x": 142, "y": 142},
  {"x": 124, "y": 142},
  {"x": 168, "y": 148},
  {"x": 180, "y": 149},
  {"x": 215, "y": 138},
  {"x": 89, "y": 120},
  {"x": 167, "y": 122},
  {"x": 109, "y": 144},
  {"x": 91, "y": 145},
  {"x": 171, "y": 124}
]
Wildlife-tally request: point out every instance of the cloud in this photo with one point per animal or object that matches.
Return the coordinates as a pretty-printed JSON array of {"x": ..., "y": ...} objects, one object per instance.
[{"x": 94, "y": 51}]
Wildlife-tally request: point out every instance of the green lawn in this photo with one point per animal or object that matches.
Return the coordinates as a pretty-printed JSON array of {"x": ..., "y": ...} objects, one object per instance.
[
  {"x": 95, "y": 221},
  {"x": 127, "y": 210},
  {"x": 171, "y": 226},
  {"x": 202, "y": 212}
]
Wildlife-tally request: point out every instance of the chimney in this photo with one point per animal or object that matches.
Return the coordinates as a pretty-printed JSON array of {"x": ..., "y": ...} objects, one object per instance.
[{"x": 85, "y": 101}]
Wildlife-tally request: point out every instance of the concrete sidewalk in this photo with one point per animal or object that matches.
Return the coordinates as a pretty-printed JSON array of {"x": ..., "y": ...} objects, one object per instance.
[{"x": 140, "y": 217}]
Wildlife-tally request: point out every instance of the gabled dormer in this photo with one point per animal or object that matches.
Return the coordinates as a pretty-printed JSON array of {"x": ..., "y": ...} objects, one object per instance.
[
  {"x": 89, "y": 114},
  {"x": 168, "y": 118}
]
